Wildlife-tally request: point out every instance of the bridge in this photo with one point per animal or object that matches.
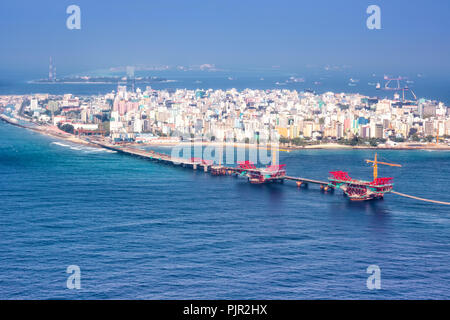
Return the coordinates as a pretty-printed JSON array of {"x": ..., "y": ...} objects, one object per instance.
[
  {"x": 208, "y": 166},
  {"x": 205, "y": 165},
  {"x": 304, "y": 182},
  {"x": 192, "y": 163}
]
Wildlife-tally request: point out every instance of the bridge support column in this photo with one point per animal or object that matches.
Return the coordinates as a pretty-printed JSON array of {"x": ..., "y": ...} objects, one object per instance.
[{"x": 194, "y": 166}]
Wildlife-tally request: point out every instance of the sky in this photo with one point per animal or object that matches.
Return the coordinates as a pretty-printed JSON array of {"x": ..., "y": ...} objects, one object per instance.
[{"x": 414, "y": 34}]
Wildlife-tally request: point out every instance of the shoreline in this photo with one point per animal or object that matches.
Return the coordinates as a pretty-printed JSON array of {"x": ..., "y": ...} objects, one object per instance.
[
  {"x": 50, "y": 132},
  {"x": 328, "y": 146},
  {"x": 59, "y": 134}
]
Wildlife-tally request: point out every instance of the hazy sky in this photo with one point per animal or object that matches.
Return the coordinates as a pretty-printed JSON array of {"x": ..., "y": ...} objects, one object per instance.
[{"x": 415, "y": 34}]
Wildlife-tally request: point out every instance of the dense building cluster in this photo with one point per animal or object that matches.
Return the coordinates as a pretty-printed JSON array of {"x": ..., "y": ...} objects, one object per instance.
[{"x": 248, "y": 115}]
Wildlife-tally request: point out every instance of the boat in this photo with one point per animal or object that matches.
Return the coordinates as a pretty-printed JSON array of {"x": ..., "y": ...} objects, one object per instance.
[{"x": 361, "y": 190}]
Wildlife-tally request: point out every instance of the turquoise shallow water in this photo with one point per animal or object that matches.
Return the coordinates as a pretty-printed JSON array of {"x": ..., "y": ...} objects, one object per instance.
[{"x": 142, "y": 230}]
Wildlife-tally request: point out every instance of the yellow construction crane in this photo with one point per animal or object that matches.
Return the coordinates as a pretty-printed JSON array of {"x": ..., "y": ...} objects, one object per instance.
[{"x": 375, "y": 166}]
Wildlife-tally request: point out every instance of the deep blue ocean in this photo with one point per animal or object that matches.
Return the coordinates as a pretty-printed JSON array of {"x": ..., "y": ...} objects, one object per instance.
[{"x": 142, "y": 230}]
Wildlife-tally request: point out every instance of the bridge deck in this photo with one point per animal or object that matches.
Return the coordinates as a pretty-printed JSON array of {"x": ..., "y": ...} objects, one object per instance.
[
  {"x": 305, "y": 180},
  {"x": 164, "y": 157}
]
